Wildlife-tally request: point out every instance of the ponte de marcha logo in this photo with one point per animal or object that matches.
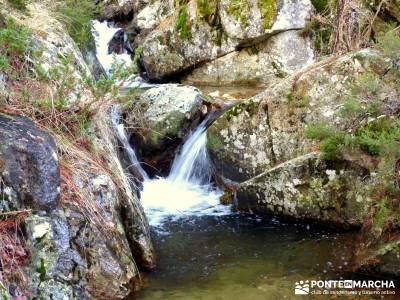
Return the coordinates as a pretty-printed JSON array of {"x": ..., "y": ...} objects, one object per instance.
[
  {"x": 302, "y": 288},
  {"x": 345, "y": 287}
]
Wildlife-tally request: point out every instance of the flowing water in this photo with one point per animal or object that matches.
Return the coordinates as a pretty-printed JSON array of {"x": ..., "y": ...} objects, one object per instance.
[
  {"x": 206, "y": 252},
  {"x": 123, "y": 138},
  {"x": 103, "y": 32},
  {"x": 188, "y": 190}
]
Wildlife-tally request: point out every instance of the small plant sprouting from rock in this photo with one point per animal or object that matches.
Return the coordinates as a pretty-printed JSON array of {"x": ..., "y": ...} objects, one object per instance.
[
  {"x": 182, "y": 23},
  {"x": 42, "y": 270}
]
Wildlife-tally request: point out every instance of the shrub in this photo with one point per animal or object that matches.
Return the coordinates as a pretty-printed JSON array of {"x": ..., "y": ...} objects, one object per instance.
[
  {"x": 78, "y": 16},
  {"x": 389, "y": 43},
  {"x": 14, "y": 46},
  {"x": 319, "y": 131}
]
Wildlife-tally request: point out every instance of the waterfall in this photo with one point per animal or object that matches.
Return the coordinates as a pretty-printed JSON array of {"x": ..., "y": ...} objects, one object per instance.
[
  {"x": 188, "y": 190},
  {"x": 192, "y": 164},
  {"x": 123, "y": 138},
  {"x": 102, "y": 33}
]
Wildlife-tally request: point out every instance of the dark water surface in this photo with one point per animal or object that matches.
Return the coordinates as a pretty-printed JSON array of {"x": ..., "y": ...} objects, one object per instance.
[{"x": 241, "y": 258}]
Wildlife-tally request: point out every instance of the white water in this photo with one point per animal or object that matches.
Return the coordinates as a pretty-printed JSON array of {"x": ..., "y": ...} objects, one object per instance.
[
  {"x": 123, "y": 138},
  {"x": 103, "y": 32},
  {"x": 187, "y": 191}
]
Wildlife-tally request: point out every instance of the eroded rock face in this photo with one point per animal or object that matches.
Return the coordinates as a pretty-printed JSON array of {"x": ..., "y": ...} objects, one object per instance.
[
  {"x": 269, "y": 128},
  {"x": 170, "y": 48},
  {"x": 28, "y": 163},
  {"x": 306, "y": 187}
]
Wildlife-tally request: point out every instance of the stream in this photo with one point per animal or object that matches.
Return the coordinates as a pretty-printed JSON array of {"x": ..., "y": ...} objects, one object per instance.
[{"x": 205, "y": 251}]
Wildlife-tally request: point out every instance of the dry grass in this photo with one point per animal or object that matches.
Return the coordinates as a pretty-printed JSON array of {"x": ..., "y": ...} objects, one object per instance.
[{"x": 13, "y": 252}]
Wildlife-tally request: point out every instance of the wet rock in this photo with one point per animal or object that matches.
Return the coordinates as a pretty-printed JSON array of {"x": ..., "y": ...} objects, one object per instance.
[
  {"x": 28, "y": 163},
  {"x": 120, "y": 9},
  {"x": 308, "y": 188},
  {"x": 119, "y": 43}
]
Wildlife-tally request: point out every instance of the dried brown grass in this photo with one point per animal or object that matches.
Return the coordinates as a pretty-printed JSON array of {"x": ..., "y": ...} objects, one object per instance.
[{"x": 14, "y": 254}]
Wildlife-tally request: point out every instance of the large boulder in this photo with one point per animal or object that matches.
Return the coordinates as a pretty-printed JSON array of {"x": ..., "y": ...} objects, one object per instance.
[
  {"x": 168, "y": 112},
  {"x": 28, "y": 164},
  {"x": 269, "y": 128},
  {"x": 251, "y": 20},
  {"x": 262, "y": 64},
  {"x": 306, "y": 187},
  {"x": 199, "y": 32},
  {"x": 89, "y": 243}
]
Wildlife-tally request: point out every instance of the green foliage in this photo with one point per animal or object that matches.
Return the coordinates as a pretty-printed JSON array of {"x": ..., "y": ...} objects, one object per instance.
[
  {"x": 382, "y": 214},
  {"x": 367, "y": 83},
  {"x": 389, "y": 43},
  {"x": 268, "y": 12},
  {"x": 15, "y": 46},
  {"x": 351, "y": 108},
  {"x": 320, "y": 5},
  {"x": 77, "y": 15},
  {"x": 319, "y": 131},
  {"x": 182, "y": 23},
  {"x": 322, "y": 35},
  {"x": 380, "y": 137},
  {"x": 19, "y": 4}
]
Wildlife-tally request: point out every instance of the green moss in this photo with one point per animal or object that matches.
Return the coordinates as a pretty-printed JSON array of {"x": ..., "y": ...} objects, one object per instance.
[
  {"x": 268, "y": 12},
  {"x": 251, "y": 108},
  {"x": 240, "y": 9},
  {"x": 182, "y": 23},
  {"x": 207, "y": 11}
]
